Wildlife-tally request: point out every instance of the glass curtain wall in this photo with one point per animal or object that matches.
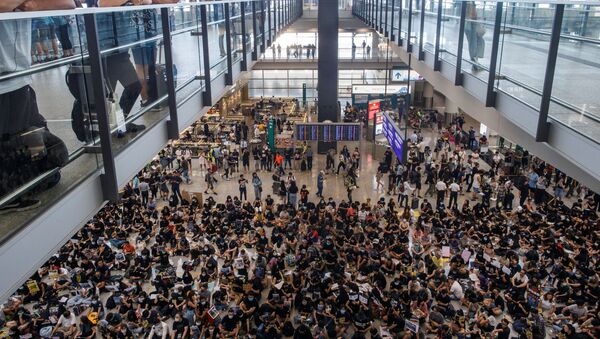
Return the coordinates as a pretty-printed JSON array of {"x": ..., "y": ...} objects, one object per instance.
[
  {"x": 288, "y": 83},
  {"x": 521, "y": 54}
]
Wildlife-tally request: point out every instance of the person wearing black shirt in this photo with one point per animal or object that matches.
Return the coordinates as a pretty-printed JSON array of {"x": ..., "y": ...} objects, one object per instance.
[
  {"x": 248, "y": 307},
  {"x": 230, "y": 325},
  {"x": 180, "y": 328}
]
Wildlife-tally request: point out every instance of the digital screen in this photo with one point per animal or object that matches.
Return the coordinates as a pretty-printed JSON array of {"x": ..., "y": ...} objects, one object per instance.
[
  {"x": 374, "y": 107},
  {"x": 328, "y": 132},
  {"x": 378, "y": 123},
  {"x": 392, "y": 134}
]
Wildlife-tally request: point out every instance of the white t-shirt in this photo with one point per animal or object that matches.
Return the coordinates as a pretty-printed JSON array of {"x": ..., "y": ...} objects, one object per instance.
[
  {"x": 15, "y": 52},
  {"x": 441, "y": 186},
  {"x": 66, "y": 322},
  {"x": 521, "y": 278},
  {"x": 454, "y": 187},
  {"x": 456, "y": 290}
]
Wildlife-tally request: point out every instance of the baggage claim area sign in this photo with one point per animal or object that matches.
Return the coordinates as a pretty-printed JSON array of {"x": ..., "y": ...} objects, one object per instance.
[{"x": 392, "y": 134}]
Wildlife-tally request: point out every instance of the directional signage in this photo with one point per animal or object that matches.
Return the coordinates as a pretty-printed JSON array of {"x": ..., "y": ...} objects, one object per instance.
[{"x": 401, "y": 75}]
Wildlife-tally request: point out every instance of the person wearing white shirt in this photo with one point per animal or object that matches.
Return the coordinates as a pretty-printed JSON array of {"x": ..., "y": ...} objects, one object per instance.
[
  {"x": 160, "y": 330},
  {"x": 454, "y": 189},
  {"x": 405, "y": 190},
  {"x": 66, "y": 324},
  {"x": 456, "y": 290},
  {"x": 441, "y": 192}
]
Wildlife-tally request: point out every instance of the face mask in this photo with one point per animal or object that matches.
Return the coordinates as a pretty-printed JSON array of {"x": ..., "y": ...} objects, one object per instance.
[{"x": 250, "y": 298}]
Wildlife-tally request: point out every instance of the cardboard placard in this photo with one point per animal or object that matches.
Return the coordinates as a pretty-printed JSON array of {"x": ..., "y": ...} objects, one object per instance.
[
  {"x": 446, "y": 251},
  {"x": 412, "y": 326}
]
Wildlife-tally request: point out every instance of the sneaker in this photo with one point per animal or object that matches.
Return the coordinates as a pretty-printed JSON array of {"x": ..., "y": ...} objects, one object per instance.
[
  {"x": 10, "y": 207},
  {"x": 134, "y": 128},
  {"x": 20, "y": 206},
  {"x": 155, "y": 108}
]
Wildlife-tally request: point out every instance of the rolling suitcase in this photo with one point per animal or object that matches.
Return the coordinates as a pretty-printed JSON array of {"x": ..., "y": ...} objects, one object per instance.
[{"x": 414, "y": 203}]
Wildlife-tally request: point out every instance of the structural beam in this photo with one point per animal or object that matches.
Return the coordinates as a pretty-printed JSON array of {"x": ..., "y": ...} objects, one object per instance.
[
  {"x": 328, "y": 108},
  {"x": 490, "y": 98},
  {"x": 543, "y": 126}
]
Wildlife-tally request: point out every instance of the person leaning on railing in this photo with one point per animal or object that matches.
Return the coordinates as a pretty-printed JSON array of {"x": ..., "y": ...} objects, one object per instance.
[{"x": 27, "y": 148}]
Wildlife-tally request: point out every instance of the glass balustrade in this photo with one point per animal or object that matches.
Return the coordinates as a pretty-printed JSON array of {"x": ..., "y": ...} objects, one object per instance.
[
  {"x": 57, "y": 131},
  {"x": 522, "y": 51}
]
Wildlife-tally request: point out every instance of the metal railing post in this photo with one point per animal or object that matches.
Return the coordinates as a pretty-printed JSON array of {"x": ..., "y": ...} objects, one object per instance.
[
  {"x": 392, "y": 36},
  {"x": 422, "y": 31},
  {"x": 400, "y": 23},
  {"x": 438, "y": 31},
  {"x": 254, "y": 33},
  {"x": 207, "y": 94},
  {"x": 543, "y": 126},
  {"x": 490, "y": 98},
  {"x": 110, "y": 188},
  {"x": 229, "y": 57},
  {"x": 173, "y": 123},
  {"x": 244, "y": 64},
  {"x": 458, "y": 76},
  {"x": 409, "y": 29}
]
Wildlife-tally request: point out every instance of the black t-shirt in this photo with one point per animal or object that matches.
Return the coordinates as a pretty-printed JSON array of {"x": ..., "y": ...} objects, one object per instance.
[
  {"x": 178, "y": 328},
  {"x": 504, "y": 334},
  {"x": 230, "y": 323}
]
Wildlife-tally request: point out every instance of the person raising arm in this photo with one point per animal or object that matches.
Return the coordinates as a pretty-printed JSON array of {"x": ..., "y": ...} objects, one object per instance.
[
  {"x": 10, "y": 5},
  {"x": 35, "y": 5},
  {"x": 117, "y": 3}
]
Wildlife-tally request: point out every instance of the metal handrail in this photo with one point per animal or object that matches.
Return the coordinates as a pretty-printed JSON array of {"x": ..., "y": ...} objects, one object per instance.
[
  {"x": 98, "y": 10},
  {"x": 37, "y": 180},
  {"x": 514, "y": 27},
  {"x": 553, "y": 99},
  {"x": 556, "y": 100}
]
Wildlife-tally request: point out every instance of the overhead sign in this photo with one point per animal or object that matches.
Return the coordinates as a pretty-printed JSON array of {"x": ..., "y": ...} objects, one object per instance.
[
  {"x": 401, "y": 75},
  {"x": 328, "y": 132},
  {"x": 380, "y": 89},
  {"x": 392, "y": 134}
]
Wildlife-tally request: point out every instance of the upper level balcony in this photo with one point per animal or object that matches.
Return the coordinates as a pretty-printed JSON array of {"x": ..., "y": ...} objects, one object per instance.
[
  {"x": 90, "y": 95},
  {"x": 544, "y": 61}
]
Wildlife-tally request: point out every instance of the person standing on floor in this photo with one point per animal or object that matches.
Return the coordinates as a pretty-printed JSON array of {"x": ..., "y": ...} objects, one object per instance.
[
  {"x": 454, "y": 189},
  {"x": 144, "y": 188},
  {"x": 320, "y": 183},
  {"x": 210, "y": 182},
  {"x": 246, "y": 159},
  {"x": 293, "y": 193},
  {"x": 441, "y": 188},
  {"x": 257, "y": 184},
  {"x": 341, "y": 163},
  {"x": 242, "y": 186},
  {"x": 309, "y": 158},
  {"x": 175, "y": 183}
]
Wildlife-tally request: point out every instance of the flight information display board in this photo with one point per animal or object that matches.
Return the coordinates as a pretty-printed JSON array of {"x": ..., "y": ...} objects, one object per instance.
[
  {"x": 328, "y": 132},
  {"x": 392, "y": 134}
]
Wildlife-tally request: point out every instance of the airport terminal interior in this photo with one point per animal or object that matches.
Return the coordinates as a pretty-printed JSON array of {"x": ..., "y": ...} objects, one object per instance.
[{"x": 299, "y": 169}]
